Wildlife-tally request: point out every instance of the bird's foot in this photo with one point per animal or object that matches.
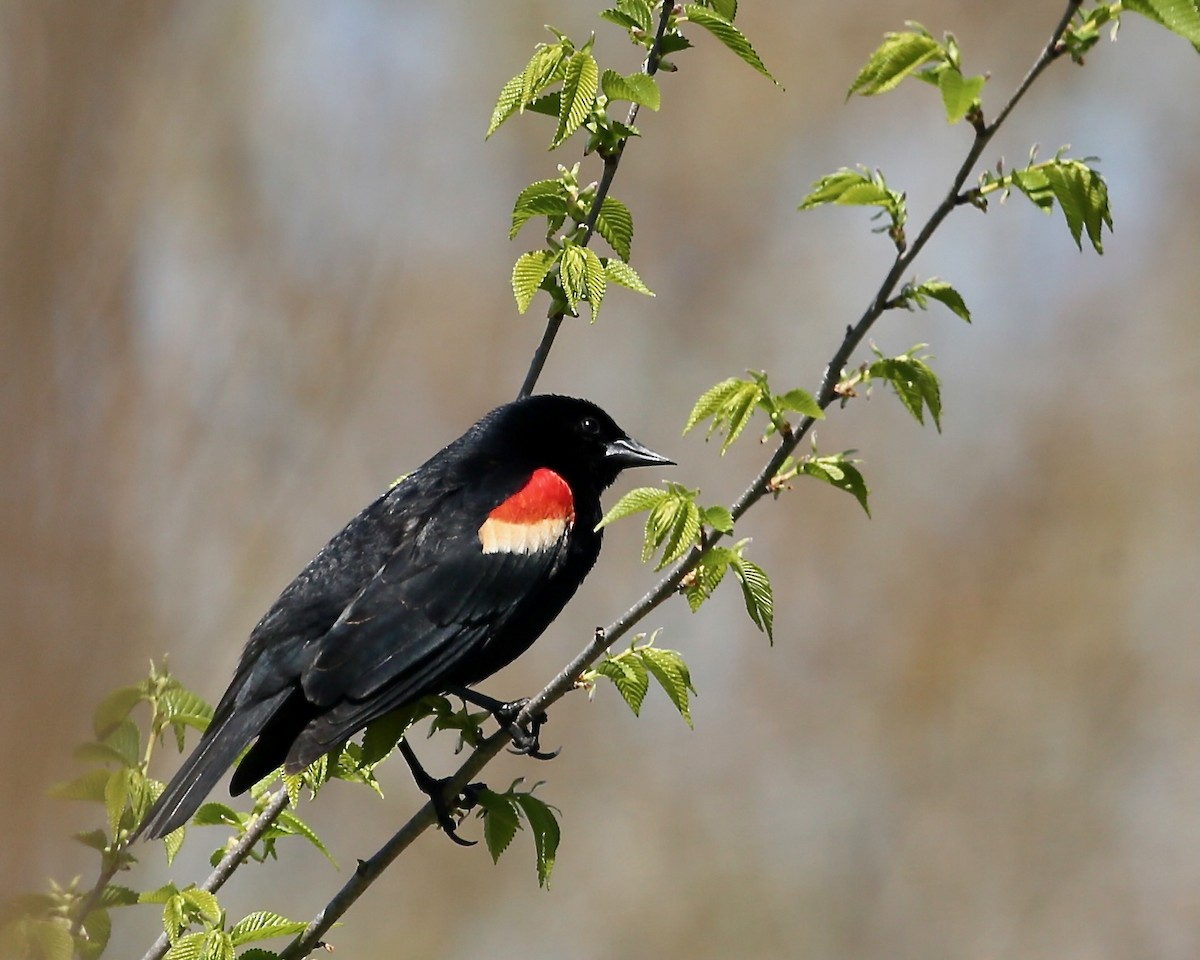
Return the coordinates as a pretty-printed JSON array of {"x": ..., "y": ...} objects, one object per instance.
[
  {"x": 435, "y": 789},
  {"x": 525, "y": 739}
]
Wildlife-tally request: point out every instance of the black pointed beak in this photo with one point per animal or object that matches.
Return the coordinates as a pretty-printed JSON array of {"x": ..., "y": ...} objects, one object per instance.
[{"x": 627, "y": 452}]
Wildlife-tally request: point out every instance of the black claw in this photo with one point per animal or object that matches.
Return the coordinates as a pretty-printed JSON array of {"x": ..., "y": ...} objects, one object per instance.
[
  {"x": 525, "y": 741},
  {"x": 435, "y": 789}
]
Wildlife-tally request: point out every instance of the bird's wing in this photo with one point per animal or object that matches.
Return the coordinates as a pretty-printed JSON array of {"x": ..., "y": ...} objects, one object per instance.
[{"x": 434, "y": 604}]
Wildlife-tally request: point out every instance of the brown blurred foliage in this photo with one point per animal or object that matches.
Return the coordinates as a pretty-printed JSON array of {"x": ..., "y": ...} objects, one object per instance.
[{"x": 252, "y": 267}]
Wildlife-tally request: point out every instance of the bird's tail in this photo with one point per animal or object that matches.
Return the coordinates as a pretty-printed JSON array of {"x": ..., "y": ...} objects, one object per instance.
[{"x": 225, "y": 738}]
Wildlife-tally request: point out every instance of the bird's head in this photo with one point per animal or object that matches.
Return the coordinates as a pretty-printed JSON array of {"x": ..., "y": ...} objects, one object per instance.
[{"x": 572, "y": 437}]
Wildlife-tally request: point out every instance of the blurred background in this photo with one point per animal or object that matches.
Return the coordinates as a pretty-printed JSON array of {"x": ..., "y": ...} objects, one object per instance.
[{"x": 253, "y": 266}]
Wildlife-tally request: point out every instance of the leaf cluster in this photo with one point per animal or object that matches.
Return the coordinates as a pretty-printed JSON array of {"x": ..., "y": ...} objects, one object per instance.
[
  {"x": 502, "y": 815},
  {"x": 630, "y": 672}
]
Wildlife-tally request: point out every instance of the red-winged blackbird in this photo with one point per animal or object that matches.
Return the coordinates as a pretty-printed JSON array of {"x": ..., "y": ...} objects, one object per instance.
[{"x": 446, "y": 578}]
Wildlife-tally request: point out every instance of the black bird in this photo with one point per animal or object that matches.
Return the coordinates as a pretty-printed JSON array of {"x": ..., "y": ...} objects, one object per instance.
[{"x": 447, "y": 577}]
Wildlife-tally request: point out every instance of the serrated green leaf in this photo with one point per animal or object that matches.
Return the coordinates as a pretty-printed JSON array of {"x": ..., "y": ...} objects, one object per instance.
[
  {"x": 728, "y": 34},
  {"x": 614, "y": 223},
  {"x": 637, "y": 88},
  {"x": 668, "y": 668},
  {"x": 116, "y": 793},
  {"x": 546, "y": 834},
  {"x": 114, "y": 708},
  {"x": 125, "y": 740},
  {"x": 680, "y": 519},
  {"x": 594, "y": 281},
  {"x": 544, "y": 198},
  {"x": 945, "y": 294},
  {"x": 725, "y": 8},
  {"x": 897, "y": 57},
  {"x": 173, "y": 842},
  {"x": 802, "y": 402},
  {"x": 756, "y": 590},
  {"x": 613, "y": 15},
  {"x": 160, "y": 895},
  {"x": 623, "y": 274},
  {"x": 262, "y": 925},
  {"x": 507, "y": 103},
  {"x": 95, "y": 839},
  {"x": 635, "y": 501},
  {"x": 580, "y": 85},
  {"x": 1083, "y": 197},
  {"x": 528, "y": 273},
  {"x": 573, "y": 273},
  {"x": 629, "y": 676},
  {"x": 89, "y": 787},
  {"x": 500, "y": 821},
  {"x": 202, "y": 904},
  {"x": 719, "y": 518},
  {"x": 288, "y": 822},
  {"x": 214, "y": 814},
  {"x": 384, "y": 733},
  {"x": 914, "y": 383},
  {"x": 190, "y": 947},
  {"x": 959, "y": 93},
  {"x": 1178, "y": 16},
  {"x": 118, "y": 896},
  {"x": 712, "y": 400},
  {"x": 839, "y": 472}
]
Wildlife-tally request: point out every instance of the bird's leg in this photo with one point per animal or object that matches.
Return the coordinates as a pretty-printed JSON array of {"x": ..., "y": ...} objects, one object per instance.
[
  {"x": 525, "y": 741},
  {"x": 435, "y": 790}
]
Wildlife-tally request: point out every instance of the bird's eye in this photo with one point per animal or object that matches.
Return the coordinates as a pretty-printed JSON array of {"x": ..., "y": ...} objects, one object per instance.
[{"x": 589, "y": 427}]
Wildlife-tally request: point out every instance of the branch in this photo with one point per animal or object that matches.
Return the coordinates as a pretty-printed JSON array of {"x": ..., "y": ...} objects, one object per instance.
[
  {"x": 230, "y": 862},
  {"x": 369, "y": 870},
  {"x": 611, "y": 162}
]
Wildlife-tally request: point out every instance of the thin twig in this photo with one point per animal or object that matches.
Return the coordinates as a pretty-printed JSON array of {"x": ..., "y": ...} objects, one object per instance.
[
  {"x": 611, "y": 162},
  {"x": 565, "y": 681},
  {"x": 230, "y": 862}
]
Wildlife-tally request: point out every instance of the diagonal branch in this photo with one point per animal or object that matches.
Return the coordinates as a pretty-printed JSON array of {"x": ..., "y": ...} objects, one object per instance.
[
  {"x": 611, "y": 162},
  {"x": 369, "y": 870},
  {"x": 230, "y": 862}
]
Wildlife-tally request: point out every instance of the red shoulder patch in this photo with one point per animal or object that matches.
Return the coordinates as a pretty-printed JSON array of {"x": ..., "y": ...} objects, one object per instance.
[
  {"x": 533, "y": 519},
  {"x": 545, "y": 497}
]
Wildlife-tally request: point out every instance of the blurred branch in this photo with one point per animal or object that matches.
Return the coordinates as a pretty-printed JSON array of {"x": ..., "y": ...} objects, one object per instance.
[
  {"x": 611, "y": 162},
  {"x": 565, "y": 681}
]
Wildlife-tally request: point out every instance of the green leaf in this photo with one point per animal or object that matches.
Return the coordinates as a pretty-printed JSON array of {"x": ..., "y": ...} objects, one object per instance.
[
  {"x": 573, "y": 273},
  {"x": 263, "y": 925},
  {"x": 214, "y": 814},
  {"x": 201, "y": 904},
  {"x": 730, "y": 404},
  {"x": 706, "y": 576},
  {"x": 940, "y": 290},
  {"x": 631, "y": 14},
  {"x": 114, "y": 708},
  {"x": 118, "y": 896},
  {"x": 615, "y": 224},
  {"x": 544, "y": 67},
  {"x": 97, "y": 929},
  {"x": 756, "y": 590},
  {"x": 545, "y": 198},
  {"x": 623, "y": 274},
  {"x": 580, "y": 84},
  {"x": 1083, "y": 197},
  {"x": 500, "y": 821},
  {"x": 959, "y": 93},
  {"x": 675, "y": 525},
  {"x": 289, "y": 823},
  {"x": 725, "y": 8},
  {"x": 528, "y": 273},
  {"x": 637, "y": 88},
  {"x": 191, "y": 947},
  {"x": 1178, "y": 16},
  {"x": 719, "y": 518},
  {"x": 915, "y": 384},
  {"x": 728, "y": 34},
  {"x": 546, "y": 833},
  {"x": 90, "y": 787},
  {"x": 897, "y": 57},
  {"x": 802, "y": 402},
  {"x": 595, "y": 281},
  {"x": 672, "y": 674},
  {"x": 838, "y": 471},
  {"x": 172, "y": 843},
  {"x": 635, "y": 501},
  {"x": 45, "y": 940},
  {"x": 629, "y": 676}
]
